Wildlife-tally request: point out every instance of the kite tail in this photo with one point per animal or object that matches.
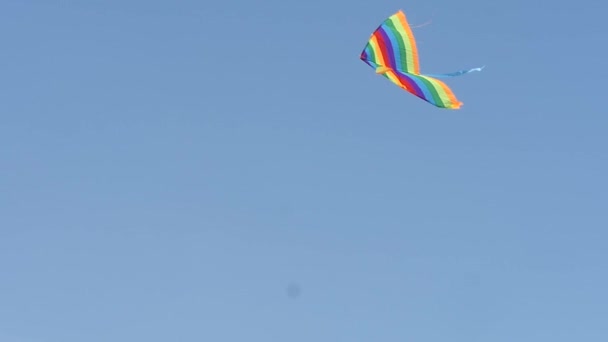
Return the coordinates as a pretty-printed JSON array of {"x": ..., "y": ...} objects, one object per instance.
[{"x": 455, "y": 73}]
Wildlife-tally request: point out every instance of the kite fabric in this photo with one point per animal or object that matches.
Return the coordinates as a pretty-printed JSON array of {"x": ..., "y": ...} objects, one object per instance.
[{"x": 392, "y": 52}]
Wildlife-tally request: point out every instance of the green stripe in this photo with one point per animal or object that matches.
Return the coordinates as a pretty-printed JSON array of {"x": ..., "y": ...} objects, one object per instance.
[
  {"x": 431, "y": 87},
  {"x": 442, "y": 93},
  {"x": 372, "y": 57},
  {"x": 400, "y": 31}
]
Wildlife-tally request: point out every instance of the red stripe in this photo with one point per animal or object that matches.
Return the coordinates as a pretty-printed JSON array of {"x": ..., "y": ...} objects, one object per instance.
[{"x": 382, "y": 45}]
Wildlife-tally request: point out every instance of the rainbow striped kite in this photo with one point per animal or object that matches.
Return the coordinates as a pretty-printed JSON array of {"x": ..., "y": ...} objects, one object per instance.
[{"x": 392, "y": 52}]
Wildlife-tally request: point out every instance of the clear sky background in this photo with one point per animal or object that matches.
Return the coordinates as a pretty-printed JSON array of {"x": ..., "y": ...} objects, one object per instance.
[{"x": 170, "y": 169}]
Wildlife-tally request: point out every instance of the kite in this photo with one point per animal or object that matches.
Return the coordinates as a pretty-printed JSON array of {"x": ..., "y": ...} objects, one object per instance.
[{"x": 392, "y": 52}]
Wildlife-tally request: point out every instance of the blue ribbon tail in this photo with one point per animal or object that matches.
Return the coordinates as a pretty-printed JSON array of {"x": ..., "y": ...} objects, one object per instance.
[{"x": 455, "y": 73}]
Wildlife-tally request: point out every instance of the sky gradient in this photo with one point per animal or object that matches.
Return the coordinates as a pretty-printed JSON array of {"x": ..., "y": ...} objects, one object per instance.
[{"x": 231, "y": 171}]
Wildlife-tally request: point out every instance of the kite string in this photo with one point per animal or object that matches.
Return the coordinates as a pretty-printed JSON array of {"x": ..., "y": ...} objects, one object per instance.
[
  {"x": 428, "y": 22},
  {"x": 423, "y": 24}
]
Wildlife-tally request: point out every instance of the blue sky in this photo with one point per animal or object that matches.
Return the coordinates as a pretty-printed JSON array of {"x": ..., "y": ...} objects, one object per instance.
[{"x": 169, "y": 168}]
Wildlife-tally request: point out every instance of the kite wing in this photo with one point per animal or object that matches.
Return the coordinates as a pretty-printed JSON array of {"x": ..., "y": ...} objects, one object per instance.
[
  {"x": 392, "y": 45},
  {"x": 392, "y": 52},
  {"x": 427, "y": 88}
]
